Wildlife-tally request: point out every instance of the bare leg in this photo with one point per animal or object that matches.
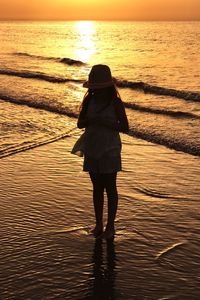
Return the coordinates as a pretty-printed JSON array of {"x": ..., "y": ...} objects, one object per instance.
[
  {"x": 98, "y": 201},
  {"x": 111, "y": 190}
]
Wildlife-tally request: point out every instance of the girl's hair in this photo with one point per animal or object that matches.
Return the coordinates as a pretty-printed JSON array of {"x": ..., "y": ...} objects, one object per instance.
[{"x": 111, "y": 93}]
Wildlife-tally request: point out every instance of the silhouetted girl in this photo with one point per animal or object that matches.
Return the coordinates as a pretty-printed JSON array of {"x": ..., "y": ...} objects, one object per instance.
[{"x": 103, "y": 117}]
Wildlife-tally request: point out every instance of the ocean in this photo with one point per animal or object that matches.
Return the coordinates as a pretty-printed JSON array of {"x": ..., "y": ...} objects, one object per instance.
[
  {"x": 43, "y": 66},
  {"x": 156, "y": 66}
]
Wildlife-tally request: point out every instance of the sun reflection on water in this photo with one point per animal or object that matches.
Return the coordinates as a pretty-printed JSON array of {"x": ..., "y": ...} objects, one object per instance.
[{"x": 85, "y": 45}]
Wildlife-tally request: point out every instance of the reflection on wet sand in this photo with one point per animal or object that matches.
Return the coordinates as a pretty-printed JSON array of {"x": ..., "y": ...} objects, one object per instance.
[{"x": 102, "y": 283}]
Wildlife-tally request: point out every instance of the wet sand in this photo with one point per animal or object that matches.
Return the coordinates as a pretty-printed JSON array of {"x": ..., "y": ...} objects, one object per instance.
[{"x": 47, "y": 251}]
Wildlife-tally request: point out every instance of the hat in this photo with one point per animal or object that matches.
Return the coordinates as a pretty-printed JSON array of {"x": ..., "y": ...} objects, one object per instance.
[{"x": 99, "y": 77}]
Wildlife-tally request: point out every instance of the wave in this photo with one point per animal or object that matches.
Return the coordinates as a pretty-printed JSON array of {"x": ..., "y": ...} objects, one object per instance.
[
  {"x": 178, "y": 146},
  {"x": 148, "y": 136},
  {"x": 64, "y": 60},
  {"x": 65, "y": 110},
  {"x": 33, "y": 144},
  {"x": 39, "y": 76},
  {"x": 41, "y": 105},
  {"x": 145, "y": 87},
  {"x": 158, "y": 90},
  {"x": 170, "y": 113},
  {"x": 167, "y": 142}
]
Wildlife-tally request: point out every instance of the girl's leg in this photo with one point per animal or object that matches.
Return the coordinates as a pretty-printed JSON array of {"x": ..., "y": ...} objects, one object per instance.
[
  {"x": 111, "y": 190},
  {"x": 98, "y": 201}
]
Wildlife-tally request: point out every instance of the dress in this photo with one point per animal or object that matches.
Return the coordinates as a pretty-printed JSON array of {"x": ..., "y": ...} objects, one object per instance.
[{"x": 102, "y": 153}]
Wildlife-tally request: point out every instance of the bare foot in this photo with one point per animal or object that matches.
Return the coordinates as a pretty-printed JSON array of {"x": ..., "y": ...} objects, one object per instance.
[
  {"x": 109, "y": 233},
  {"x": 97, "y": 231}
]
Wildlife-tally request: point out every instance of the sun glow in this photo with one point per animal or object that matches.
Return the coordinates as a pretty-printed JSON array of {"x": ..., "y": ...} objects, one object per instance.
[
  {"x": 86, "y": 44},
  {"x": 85, "y": 27},
  {"x": 134, "y": 10}
]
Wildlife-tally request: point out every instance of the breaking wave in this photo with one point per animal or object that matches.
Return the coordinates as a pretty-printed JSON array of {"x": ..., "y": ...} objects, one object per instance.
[
  {"x": 65, "y": 110},
  {"x": 64, "y": 60},
  {"x": 158, "y": 90},
  {"x": 41, "y": 105},
  {"x": 169, "y": 141},
  {"x": 145, "y": 87},
  {"x": 38, "y": 75},
  {"x": 170, "y": 113}
]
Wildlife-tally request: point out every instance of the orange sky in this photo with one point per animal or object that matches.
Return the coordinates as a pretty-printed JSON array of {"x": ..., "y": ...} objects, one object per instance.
[{"x": 100, "y": 9}]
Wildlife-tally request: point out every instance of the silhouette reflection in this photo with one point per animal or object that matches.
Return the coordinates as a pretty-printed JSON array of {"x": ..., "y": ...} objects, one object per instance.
[{"x": 102, "y": 283}]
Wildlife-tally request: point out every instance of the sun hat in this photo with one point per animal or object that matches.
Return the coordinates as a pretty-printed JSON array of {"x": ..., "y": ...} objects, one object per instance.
[{"x": 99, "y": 77}]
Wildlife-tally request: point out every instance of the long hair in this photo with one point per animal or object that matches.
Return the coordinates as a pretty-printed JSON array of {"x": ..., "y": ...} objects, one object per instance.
[{"x": 111, "y": 94}]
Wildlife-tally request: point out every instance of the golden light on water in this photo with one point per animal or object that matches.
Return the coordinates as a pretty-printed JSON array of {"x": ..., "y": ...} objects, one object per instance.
[
  {"x": 85, "y": 44},
  {"x": 85, "y": 27}
]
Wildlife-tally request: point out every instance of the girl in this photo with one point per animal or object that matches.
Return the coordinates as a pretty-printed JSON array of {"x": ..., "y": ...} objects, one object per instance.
[{"x": 103, "y": 116}]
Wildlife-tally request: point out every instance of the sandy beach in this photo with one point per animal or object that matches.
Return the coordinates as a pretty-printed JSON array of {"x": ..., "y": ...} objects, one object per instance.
[{"x": 47, "y": 251}]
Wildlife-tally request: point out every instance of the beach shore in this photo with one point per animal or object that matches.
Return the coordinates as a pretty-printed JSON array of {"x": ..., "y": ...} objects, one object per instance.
[{"x": 47, "y": 251}]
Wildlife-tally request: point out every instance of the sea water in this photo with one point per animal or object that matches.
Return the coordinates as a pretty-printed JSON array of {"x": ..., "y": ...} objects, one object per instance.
[{"x": 156, "y": 65}]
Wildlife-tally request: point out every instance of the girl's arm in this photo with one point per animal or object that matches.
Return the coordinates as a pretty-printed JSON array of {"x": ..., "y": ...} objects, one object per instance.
[
  {"x": 123, "y": 125},
  {"x": 82, "y": 120}
]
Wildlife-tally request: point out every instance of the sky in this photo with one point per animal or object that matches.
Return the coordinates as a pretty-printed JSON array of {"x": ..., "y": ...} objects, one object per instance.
[{"x": 136, "y": 10}]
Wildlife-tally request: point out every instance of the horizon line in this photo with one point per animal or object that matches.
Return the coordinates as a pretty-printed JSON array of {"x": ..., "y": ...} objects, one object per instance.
[{"x": 98, "y": 20}]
